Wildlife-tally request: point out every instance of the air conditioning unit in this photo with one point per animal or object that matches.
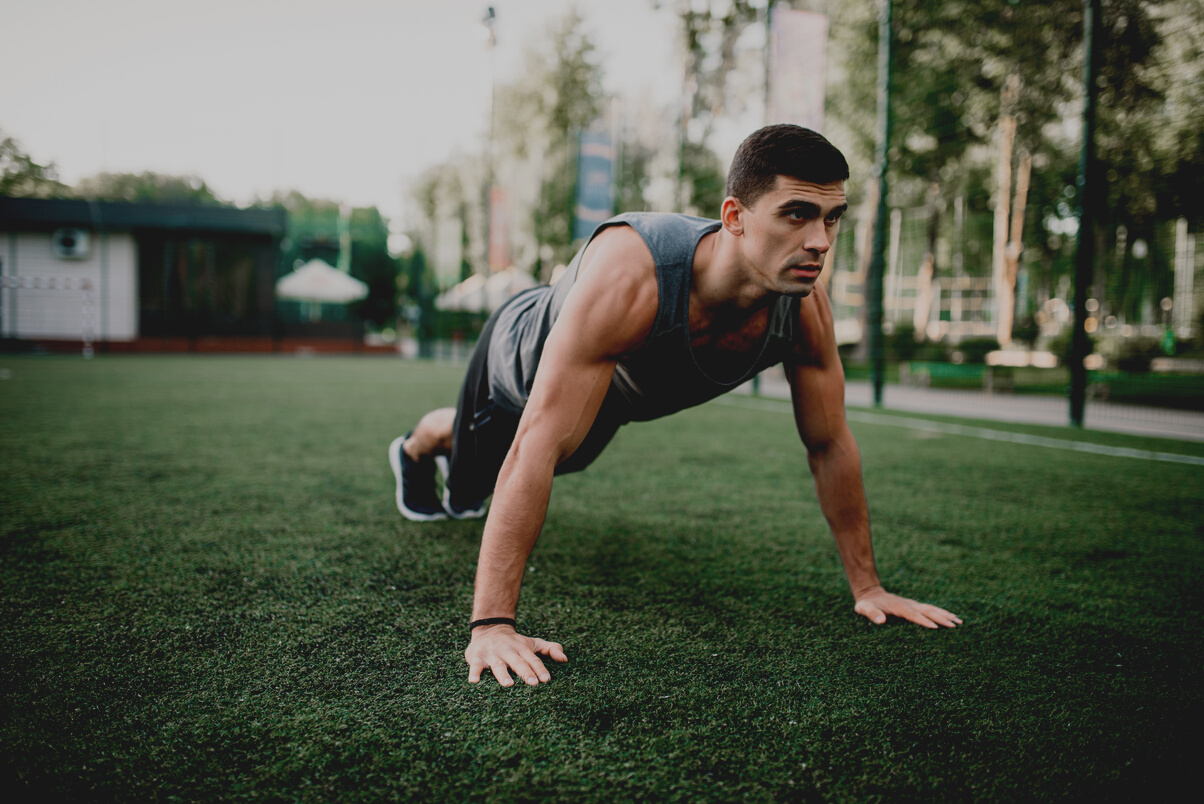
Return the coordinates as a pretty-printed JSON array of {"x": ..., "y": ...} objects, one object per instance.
[{"x": 70, "y": 244}]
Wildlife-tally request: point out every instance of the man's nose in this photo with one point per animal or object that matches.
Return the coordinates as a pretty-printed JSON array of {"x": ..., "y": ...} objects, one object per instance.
[{"x": 817, "y": 238}]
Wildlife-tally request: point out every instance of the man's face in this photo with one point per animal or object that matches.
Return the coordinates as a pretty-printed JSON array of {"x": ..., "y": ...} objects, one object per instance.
[{"x": 788, "y": 231}]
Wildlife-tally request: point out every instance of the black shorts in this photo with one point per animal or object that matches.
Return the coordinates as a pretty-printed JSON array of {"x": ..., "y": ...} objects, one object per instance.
[{"x": 484, "y": 432}]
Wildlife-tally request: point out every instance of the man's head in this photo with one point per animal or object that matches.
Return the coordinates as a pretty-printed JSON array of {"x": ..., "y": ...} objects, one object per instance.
[
  {"x": 785, "y": 198},
  {"x": 782, "y": 150}
]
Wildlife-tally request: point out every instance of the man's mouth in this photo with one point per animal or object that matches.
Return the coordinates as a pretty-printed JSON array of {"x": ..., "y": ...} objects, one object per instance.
[{"x": 810, "y": 271}]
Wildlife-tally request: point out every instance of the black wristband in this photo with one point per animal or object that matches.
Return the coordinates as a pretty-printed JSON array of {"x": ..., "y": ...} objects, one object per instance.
[{"x": 493, "y": 621}]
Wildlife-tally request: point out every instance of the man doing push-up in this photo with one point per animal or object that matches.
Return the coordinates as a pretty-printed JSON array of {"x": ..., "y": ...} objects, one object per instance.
[{"x": 656, "y": 313}]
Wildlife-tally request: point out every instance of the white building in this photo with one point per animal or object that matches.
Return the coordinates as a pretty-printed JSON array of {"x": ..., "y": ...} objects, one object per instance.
[{"x": 115, "y": 273}]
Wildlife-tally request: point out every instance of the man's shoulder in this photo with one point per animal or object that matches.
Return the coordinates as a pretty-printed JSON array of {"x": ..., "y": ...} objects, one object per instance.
[
  {"x": 667, "y": 238},
  {"x": 655, "y": 217},
  {"x": 656, "y": 222},
  {"x": 617, "y": 243}
]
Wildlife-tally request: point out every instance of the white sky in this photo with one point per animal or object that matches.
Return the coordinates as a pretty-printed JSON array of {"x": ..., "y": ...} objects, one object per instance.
[{"x": 344, "y": 99}]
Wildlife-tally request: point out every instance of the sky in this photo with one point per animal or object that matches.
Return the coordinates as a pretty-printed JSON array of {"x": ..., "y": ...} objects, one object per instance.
[{"x": 349, "y": 100}]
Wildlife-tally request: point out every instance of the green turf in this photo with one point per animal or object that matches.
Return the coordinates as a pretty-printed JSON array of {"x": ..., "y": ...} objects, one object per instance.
[{"x": 208, "y": 595}]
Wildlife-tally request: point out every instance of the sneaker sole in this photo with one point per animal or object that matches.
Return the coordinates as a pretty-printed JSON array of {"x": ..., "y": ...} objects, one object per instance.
[
  {"x": 395, "y": 464},
  {"x": 470, "y": 513}
]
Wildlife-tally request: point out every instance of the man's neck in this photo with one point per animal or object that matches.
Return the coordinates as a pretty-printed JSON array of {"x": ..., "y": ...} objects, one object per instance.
[{"x": 722, "y": 282}]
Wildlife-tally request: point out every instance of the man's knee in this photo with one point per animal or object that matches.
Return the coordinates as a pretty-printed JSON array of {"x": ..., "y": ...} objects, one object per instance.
[{"x": 433, "y": 433}]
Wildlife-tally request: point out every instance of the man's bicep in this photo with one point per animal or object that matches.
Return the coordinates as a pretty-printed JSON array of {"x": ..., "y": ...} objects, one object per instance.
[
  {"x": 565, "y": 400},
  {"x": 608, "y": 313}
]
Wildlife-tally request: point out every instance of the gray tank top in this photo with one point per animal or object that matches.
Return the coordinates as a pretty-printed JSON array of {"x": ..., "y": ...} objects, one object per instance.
[{"x": 662, "y": 376}]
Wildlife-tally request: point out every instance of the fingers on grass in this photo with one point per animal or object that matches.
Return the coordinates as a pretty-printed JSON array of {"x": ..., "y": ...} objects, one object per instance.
[
  {"x": 942, "y": 617},
  {"x": 919, "y": 617},
  {"x": 502, "y": 673},
  {"x": 540, "y": 672},
  {"x": 553, "y": 649},
  {"x": 526, "y": 667},
  {"x": 875, "y": 614}
]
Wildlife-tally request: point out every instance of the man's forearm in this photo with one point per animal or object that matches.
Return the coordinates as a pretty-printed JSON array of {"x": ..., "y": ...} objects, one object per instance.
[
  {"x": 516, "y": 516},
  {"x": 837, "y": 472}
]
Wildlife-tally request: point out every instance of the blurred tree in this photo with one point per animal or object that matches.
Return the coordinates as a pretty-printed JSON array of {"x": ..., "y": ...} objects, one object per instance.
[
  {"x": 710, "y": 30},
  {"x": 1178, "y": 67},
  {"x": 989, "y": 90},
  {"x": 421, "y": 286},
  {"x": 635, "y": 173},
  {"x": 705, "y": 179},
  {"x": 147, "y": 187},
  {"x": 443, "y": 194},
  {"x": 313, "y": 233},
  {"x": 372, "y": 264},
  {"x": 540, "y": 117},
  {"x": 1150, "y": 145},
  {"x": 22, "y": 177},
  {"x": 313, "y": 228},
  {"x": 978, "y": 82}
]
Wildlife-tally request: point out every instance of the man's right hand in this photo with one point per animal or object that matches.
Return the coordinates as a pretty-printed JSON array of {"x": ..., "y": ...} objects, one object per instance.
[{"x": 501, "y": 649}]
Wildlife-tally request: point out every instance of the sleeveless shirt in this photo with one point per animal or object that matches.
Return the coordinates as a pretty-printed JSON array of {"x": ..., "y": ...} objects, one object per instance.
[{"x": 662, "y": 376}]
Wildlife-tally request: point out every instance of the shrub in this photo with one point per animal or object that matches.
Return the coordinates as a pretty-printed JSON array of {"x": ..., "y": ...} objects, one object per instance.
[{"x": 974, "y": 350}]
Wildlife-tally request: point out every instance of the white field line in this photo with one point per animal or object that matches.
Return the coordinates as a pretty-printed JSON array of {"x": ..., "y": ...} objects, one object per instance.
[{"x": 782, "y": 406}]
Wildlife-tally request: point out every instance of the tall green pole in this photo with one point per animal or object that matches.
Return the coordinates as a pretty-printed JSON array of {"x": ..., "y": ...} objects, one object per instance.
[
  {"x": 878, "y": 255},
  {"x": 1084, "y": 255}
]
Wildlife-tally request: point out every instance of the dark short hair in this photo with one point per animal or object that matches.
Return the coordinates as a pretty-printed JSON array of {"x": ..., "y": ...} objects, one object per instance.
[{"x": 782, "y": 150}]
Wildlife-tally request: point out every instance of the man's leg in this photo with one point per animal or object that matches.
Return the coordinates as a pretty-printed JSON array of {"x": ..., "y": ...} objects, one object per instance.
[
  {"x": 457, "y": 432},
  {"x": 432, "y": 435},
  {"x": 412, "y": 458}
]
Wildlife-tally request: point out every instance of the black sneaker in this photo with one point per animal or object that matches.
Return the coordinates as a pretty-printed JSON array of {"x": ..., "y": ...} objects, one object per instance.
[
  {"x": 417, "y": 498},
  {"x": 471, "y": 511}
]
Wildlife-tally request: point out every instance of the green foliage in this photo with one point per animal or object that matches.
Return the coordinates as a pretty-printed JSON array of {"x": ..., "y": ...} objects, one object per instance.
[
  {"x": 704, "y": 177},
  {"x": 147, "y": 187},
  {"x": 22, "y": 177},
  {"x": 901, "y": 343},
  {"x": 1060, "y": 344},
  {"x": 951, "y": 61},
  {"x": 313, "y": 233},
  {"x": 974, "y": 350},
  {"x": 421, "y": 285},
  {"x": 710, "y": 32},
  {"x": 1135, "y": 354},
  {"x": 559, "y": 96},
  {"x": 1026, "y": 331},
  {"x": 372, "y": 264},
  {"x": 209, "y": 595}
]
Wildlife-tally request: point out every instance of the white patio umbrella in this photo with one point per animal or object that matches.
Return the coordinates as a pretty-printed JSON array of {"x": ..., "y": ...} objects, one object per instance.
[
  {"x": 316, "y": 281},
  {"x": 468, "y": 296},
  {"x": 504, "y": 284},
  {"x": 478, "y": 294}
]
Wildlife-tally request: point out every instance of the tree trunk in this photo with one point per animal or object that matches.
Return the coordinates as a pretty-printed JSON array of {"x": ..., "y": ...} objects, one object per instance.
[
  {"x": 863, "y": 246},
  {"x": 1015, "y": 246},
  {"x": 1003, "y": 192},
  {"x": 924, "y": 298}
]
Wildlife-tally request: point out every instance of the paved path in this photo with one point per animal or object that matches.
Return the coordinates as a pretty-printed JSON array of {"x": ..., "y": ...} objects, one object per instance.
[{"x": 1020, "y": 408}]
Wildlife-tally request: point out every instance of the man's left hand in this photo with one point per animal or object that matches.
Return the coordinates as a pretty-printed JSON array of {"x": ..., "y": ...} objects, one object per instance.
[{"x": 877, "y": 603}]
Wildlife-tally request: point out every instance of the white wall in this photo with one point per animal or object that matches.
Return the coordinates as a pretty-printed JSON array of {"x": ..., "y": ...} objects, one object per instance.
[{"x": 42, "y": 295}]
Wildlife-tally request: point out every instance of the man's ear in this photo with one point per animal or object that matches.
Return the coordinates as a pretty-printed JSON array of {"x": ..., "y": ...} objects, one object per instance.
[{"x": 732, "y": 216}]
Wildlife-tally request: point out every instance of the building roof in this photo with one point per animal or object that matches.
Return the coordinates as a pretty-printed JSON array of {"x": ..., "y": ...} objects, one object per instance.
[{"x": 38, "y": 214}]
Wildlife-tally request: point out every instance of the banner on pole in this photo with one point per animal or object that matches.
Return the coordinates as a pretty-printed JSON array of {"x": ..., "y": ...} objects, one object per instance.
[
  {"x": 797, "y": 49},
  {"x": 595, "y": 183},
  {"x": 499, "y": 239}
]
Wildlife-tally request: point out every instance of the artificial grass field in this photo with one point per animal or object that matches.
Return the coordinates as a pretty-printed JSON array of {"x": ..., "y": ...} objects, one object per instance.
[{"x": 209, "y": 595}]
